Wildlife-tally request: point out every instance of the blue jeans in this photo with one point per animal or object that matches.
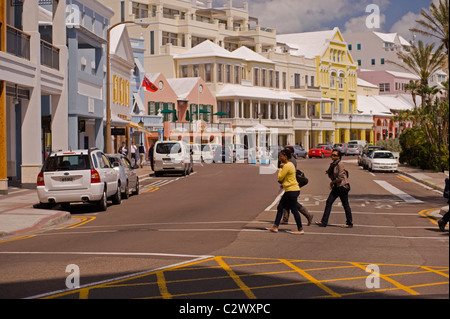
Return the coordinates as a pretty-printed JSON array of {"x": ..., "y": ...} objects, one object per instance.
[
  {"x": 289, "y": 201},
  {"x": 335, "y": 193}
]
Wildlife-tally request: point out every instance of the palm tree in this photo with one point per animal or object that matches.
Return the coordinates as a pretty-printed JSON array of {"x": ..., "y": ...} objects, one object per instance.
[
  {"x": 422, "y": 61},
  {"x": 435, "y": 22}
]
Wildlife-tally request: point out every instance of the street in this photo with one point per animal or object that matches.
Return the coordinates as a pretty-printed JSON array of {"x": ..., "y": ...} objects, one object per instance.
[{"x": 203, "y": 236}]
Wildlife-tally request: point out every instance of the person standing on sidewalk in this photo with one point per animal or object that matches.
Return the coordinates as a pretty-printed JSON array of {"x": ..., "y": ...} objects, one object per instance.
[
  {"x": 300, "y": 207},
  {"x": 286, "y": 177},
  {"x": 142, "y": 154},
  {"x": 133, "y": 151},
  {"x": 339, "y": 188}
]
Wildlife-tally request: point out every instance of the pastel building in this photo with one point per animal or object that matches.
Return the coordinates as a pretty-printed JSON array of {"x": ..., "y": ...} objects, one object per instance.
[
  {"x": 388, "y": 82},
  {"x": 87, "y": 25},
  {"x": 33, "y": 88},
  {"x": 335, "y": 119}
]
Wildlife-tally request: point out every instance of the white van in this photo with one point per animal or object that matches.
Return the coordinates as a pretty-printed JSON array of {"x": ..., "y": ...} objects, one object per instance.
[
  {"x": 357, "y": 142},
  {"x": 172, "y": 157}
]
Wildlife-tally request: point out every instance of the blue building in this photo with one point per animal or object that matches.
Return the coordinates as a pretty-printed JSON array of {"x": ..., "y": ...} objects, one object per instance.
[{"x": 87, "y": 22}]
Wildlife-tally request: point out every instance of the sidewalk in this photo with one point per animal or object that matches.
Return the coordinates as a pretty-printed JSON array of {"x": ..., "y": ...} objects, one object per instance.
[{"x": 20, "y": 212}]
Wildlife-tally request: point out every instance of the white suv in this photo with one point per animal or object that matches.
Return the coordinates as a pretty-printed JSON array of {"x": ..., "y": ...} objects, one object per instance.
[{"x": 78, "y": 176}]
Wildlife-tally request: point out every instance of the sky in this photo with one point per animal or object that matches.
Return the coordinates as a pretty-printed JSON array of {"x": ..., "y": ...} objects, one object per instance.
[{"x": 291, "y": 16}]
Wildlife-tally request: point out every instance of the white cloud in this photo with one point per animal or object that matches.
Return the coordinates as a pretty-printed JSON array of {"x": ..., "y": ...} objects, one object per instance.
[
  {"x": 407, "y": 22},
  {"x": 304, "y": 15}
]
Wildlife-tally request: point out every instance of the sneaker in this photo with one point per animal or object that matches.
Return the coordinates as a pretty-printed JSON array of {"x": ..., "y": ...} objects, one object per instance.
[{"x": 297, "y": 232}]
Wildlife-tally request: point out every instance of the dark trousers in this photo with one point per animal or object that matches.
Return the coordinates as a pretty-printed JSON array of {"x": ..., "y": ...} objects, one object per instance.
[
  {"x": 335, "y": 193},
  {"x": 289, "y": 201}
]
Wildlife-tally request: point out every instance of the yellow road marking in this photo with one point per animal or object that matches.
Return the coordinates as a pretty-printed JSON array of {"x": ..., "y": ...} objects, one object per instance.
[
  {"x": 404, "y": 178},
  {"x": 151, "y": 190},
  {"x": 426, "y": 213},
  {"x": 84, "y": 220},
  {"x": 392, "y": 281},
  {"x": 435, "y": 271},
  {"x": 162, "y": 285},
  {"x": 310, "y": 278},
  {"x": 236, "y": 278},
  {"x": 17, "y": 238}
]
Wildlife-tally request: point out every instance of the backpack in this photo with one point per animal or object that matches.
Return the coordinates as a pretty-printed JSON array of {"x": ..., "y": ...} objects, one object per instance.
[{"x": 301, "y": 178}]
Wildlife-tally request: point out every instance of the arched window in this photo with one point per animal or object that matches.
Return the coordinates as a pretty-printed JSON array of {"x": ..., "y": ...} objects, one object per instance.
[{"x": 333, "y": 80}]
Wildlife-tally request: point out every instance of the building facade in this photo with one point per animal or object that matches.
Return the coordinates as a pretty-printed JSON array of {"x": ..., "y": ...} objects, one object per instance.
[{"x": 33, "y": 88}]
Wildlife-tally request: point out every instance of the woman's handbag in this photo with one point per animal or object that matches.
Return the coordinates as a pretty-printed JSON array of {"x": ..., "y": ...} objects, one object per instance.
[{"x": 344, "y": 189}]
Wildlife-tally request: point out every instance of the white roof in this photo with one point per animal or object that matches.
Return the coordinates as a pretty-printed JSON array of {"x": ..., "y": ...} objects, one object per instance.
[
  {"x": 308, "y": 44},
  {"x": 183, "y": 86},
  {"x": 361, "y": 82},
  {"x": 394, "y": 102},
  {"x": 391, "y": 37},
  {"x": 404, "y": 75},
  {"x": 368, "y": 105},
  {"x": 205, "y": 49},
  {"x": 247, "y": 54},
  {"x": 235, "y": 90}
]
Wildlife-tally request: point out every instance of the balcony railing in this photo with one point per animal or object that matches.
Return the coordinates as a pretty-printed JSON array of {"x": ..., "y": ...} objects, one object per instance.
[
  {"x": 17, "y": 43},
  {"x": 49, "y": 55}
]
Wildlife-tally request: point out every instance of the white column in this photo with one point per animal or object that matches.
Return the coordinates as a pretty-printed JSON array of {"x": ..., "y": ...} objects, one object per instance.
[
  {"x": 31, "y": 110},
  {"x": 60, "y": 133}
]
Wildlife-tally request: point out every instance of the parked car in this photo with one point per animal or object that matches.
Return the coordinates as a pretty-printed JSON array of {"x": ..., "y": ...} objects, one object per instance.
[
  {"x": 363, "y": 143},
  {"x": 366, "y": 152},
  {"x": 129, "y": 180},
  {"x": 208, "y": 152},
  {"x": 342, "y": 147},
  {"x": 382, "y": 161},
  {"x": 320, "y": 151},
  {"x": 223, "y": 154},
  {"x": 172, "y": 156},
  {"x": 354, "y": 149},
  {"x": 298, "y": 151},
  {"x": 78, "y": 176}
]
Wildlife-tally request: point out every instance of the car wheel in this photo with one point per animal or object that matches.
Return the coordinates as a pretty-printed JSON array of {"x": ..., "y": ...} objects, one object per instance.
[
  {"x": 103, "y": 203},
  {"x": 117, "y": 198},
  {"x": 136, "y": 189},
  {"x": 126, "y": 193}
]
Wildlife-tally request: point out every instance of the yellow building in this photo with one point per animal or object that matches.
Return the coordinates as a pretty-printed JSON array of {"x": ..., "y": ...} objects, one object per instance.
[{"x": 335, "y": 119}]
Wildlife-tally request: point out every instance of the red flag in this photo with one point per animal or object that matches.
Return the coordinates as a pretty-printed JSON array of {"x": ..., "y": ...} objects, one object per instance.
[{"x": 149, "y": 85}]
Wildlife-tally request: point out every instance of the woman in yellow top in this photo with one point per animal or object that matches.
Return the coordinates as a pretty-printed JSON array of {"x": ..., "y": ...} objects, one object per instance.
[{"x": 286, "y": 177}]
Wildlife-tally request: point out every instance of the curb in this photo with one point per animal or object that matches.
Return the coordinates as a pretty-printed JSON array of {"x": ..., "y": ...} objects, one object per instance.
[{"x": 439, "y": 188}]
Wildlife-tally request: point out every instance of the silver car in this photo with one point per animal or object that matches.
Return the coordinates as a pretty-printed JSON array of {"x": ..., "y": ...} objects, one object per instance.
[
  {"x": 354, "y": 149},
  {"x": 129, "y": 181}
]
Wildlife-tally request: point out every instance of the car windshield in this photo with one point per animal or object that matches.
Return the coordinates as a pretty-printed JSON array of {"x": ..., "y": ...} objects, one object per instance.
[
  {"x": 351, "y": 145},
  {"x": 168, "y": 148},
  {"x": 67, "y": 163},
  {"x": 383, "y": 155}
]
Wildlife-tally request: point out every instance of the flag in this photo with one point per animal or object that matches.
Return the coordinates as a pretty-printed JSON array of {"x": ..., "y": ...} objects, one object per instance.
[{"x": 149, "y": 85}]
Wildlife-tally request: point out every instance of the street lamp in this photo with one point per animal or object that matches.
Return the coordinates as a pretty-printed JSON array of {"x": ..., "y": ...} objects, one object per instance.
[{"x": 108, "y": 146}]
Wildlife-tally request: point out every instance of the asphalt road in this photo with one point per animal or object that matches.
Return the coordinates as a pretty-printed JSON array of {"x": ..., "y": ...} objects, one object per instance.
[{"x": 203, "y": 236}]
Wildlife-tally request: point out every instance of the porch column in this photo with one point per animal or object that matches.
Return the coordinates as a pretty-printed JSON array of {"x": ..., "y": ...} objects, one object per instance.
[
  {"x": 31, "y": 110},
  {"x": 60, "y": 134},
  {"x": 251, "y": 109}
]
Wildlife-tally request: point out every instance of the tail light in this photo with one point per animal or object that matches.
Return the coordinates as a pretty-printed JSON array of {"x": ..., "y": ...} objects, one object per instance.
[
  {"x": 40, "y": 179},
  {"x": 95, "y": 177}
]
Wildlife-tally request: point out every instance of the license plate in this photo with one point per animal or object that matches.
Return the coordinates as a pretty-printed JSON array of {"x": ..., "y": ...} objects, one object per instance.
[
  {"x": 167, "y": 160},
  {"x": 67, "y": 179}
]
